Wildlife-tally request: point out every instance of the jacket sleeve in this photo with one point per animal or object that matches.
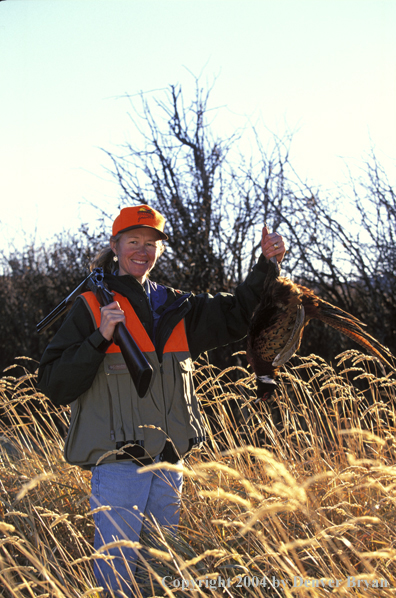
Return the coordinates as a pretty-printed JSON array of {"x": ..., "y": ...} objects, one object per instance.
[
  {"x": 218, "y": 320},
  {"x": 71, "y": 360}
]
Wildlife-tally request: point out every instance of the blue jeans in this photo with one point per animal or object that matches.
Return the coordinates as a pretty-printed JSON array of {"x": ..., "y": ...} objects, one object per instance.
[{"x": 132, "y": 496}]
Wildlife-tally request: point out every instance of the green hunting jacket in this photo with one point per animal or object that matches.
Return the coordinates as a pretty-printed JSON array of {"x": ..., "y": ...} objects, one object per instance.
[{"x": 72, "y": 363}]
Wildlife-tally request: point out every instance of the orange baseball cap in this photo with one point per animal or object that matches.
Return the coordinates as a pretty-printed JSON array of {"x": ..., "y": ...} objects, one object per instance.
[{"x": 138, "y": 217}]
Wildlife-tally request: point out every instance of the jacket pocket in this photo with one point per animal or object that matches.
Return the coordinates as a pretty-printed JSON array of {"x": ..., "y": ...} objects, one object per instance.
[
  {"x": 89, "y": 433},
  {"x": 184, "y": 415},
  {"x": 69, "y": 442},
  {"x": 187, "y": 368},
  {"x": 130, "y": 412},
  {"x": 179, "y": 383},
  {"x": 121, "y": 401}
]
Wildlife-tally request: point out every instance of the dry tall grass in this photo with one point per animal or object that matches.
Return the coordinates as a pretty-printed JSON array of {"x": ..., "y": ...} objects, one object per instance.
[{"x": 303, "y": 506}]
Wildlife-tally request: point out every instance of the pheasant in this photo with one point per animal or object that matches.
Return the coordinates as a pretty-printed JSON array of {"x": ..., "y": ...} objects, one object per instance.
[{"x": 277, "y": 326}]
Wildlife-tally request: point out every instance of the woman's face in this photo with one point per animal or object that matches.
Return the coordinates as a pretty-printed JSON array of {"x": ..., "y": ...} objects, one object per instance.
[{"x": 137, "y": 252}]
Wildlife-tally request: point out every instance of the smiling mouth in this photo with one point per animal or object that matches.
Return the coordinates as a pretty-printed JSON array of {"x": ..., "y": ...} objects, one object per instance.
[{"x": 140, "y": 263}]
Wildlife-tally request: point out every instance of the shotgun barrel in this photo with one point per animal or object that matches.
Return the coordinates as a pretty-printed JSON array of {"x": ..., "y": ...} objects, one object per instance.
[{"x": 63, "y": 306}]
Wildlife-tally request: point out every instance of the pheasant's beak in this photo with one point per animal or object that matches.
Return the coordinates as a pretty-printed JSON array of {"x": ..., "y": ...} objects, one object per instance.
[
  {"x": 265, "y": 387},
  {"x": 265, "y": 397}
]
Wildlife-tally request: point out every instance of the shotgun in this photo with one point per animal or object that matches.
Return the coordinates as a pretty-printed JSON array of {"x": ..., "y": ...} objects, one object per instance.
[{"x": 137, "y": 364}]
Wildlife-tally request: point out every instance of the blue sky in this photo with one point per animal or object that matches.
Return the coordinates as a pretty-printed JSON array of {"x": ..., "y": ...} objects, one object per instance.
[{"x": 325, "y": 69}]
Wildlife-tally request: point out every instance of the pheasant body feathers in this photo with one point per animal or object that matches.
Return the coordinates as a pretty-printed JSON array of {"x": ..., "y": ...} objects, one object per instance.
[{"x": 277, "y": 325}]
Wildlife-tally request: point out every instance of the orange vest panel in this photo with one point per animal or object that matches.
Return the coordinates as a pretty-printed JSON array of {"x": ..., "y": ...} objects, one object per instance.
[{"x": 176, "y": 342}]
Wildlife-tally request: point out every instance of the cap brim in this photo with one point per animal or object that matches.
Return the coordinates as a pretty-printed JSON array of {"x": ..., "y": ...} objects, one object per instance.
[{"x": 162, "y": 235}]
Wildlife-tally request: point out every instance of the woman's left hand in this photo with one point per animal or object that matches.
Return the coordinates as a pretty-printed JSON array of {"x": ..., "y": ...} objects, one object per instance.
[{"x": 272, "y": 245}]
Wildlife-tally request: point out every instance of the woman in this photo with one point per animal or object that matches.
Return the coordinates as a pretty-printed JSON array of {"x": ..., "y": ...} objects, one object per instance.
[{"x": 113, "y": 432}]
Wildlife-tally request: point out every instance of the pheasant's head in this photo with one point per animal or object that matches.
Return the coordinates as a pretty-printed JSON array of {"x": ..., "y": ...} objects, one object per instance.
[
  {"x": 265, "y": 372},
  {"x": 265, "y": 387}
]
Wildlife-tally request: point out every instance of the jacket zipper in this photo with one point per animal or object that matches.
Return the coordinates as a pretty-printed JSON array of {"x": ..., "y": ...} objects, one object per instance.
[
  {"x": 150, "y": 314},
  {"x": 166, "y": 313},
  {"x": 112, "y": 433},
  {"x": 163, "y": 394}
]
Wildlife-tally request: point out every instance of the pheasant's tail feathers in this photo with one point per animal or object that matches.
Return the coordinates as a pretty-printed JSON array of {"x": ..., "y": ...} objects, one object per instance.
[
  {"x": 353, "y": 330},
  {"x": 331, "y": 311}
]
